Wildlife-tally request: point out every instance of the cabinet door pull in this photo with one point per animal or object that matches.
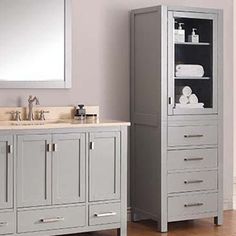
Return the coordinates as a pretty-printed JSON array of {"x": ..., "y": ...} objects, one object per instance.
[
  {"x": 49, "y": 147},
  {"x": 2, "y": 224},
  {"x": 193, "y": 204},
  {"x": 193, "y": 135},
  {"x": 193, "y": 159},
  {"x": 91, "y": 145},
  {"x": 193, "y": 181},
  {"x": 10, "y": 149},
  {"x": 54, "y": 147},
  {"x": 52, "y": 220},
  {"x": 105, "y": 214}
]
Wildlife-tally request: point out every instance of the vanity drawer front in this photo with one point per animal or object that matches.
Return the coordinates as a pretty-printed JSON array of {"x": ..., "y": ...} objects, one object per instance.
[
  {"x": 192, "y": 135},
  {"x": 187, "y": 206},
  {"x": 48, "y": 219},
  {"x": 100, "y": 214},
  {"x": 192, "y": 159},
  {"x": 192, "y": 181},
  {"x": 7, "y": 222}
]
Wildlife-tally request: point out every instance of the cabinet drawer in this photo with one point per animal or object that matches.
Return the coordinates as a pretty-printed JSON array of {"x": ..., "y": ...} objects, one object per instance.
[
  {"x": 192, "y": 135},
  {"x": 104, "y": 214},
  {"x": 192, "y": 159},
  {"x": 48, "y": 219},
  {"x": 185, "y": 207},
  {"x": 192, "y": 181},
  {"x": 7, "y": 222}
]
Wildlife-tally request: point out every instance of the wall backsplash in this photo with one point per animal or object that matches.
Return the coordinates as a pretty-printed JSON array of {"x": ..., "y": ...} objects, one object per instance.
[{"x": 100, "y": 73}]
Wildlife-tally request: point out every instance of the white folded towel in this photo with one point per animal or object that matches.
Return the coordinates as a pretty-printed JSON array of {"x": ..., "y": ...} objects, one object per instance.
[
  {"x": 188, "y": 70},
  {"x": 198, "y": 105},
  {"x": 193, "y": 99},
  {"x": 183, "y": 99},
  {"x": 186, "y": 91}
]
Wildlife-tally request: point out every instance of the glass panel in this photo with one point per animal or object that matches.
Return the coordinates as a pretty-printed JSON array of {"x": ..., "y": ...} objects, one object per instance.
[{"x": 193, "y": 62}]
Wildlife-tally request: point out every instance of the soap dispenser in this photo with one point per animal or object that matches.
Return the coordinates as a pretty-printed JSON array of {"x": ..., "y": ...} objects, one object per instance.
[
  {"x": 180, "y": 34},
  {"x": 193, "y": 38}
]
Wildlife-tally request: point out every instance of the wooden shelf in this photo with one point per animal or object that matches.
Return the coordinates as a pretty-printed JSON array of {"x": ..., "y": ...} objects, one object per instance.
[
  {"x": 193, "y": 44},
  {"x": 194, "y": 77}
]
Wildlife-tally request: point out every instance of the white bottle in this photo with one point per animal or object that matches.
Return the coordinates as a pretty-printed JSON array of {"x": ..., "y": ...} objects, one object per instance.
[
  {"x": 180, "y": 34},
  {"x": 193, "y": 38}
]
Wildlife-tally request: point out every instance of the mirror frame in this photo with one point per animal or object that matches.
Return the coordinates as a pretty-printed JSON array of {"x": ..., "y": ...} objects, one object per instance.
[{"x": 66, "y": 84}]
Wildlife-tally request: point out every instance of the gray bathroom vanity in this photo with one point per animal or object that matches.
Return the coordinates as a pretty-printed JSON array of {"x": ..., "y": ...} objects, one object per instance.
[
  {"x": 176, "y": 114},
  {"x": 63, "y": 177}
]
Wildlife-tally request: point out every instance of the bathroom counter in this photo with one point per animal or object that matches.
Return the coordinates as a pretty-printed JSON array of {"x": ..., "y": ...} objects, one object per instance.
[{"x": 59, "y": 124}]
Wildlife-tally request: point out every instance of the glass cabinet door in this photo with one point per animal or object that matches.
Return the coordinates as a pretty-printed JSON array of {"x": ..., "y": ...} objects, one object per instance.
[{"x": 192, "y": 63}]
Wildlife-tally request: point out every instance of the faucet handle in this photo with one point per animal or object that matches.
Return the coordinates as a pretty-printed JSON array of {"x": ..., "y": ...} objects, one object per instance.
[{"x": 41, "y": 114}]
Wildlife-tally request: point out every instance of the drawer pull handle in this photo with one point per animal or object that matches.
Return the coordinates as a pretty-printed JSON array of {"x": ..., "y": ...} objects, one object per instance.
[
  {"x": 193, "y": 135},
  {"x": 2, "y": 224},
  {"x": 193, "y": 204},
  {"x": 105, "y": 214},
  {"x": 52, "y": 220},
  {"x": 193, "y": 181},
  {"x": 194, "y": 159}
]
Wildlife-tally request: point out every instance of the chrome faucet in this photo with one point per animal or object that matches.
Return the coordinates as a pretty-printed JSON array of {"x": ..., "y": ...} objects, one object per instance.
[{"x": 31, "y": 101}]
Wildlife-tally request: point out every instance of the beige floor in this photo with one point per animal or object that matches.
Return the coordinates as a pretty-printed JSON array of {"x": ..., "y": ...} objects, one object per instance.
[{"x": 189, "y": 228}]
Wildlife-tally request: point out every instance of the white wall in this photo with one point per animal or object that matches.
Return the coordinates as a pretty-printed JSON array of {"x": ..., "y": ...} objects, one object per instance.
[{"x": 101, "y": 64}]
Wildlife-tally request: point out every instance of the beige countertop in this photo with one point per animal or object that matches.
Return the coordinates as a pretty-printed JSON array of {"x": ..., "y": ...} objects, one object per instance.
[{"x": 56, "y": 124}]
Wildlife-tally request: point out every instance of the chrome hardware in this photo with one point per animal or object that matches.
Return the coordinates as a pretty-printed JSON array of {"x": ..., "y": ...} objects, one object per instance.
[
  {"x": 52, "y": 220},
  {"x": 41, "y": 114},
  {"x": 54, "y": 147},
  {"x": 193, "y": 135},
  {"x": 2, "y": 224},
  {"x": 91, "y": 145},
  {"x": 31, "y": 101},
  {"x": 193, "y": 204},
  {"x": 10, "y": 149},
  {"x": 193, "y": 181},
  {"x": 194, "y": 159},
  {"x": 49, "y": 147},
  {"x": 105, "y": 214}
]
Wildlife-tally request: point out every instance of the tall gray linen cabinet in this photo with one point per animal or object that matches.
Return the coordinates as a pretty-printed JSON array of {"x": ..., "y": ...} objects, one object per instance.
[{"x": 176, "y": 147}]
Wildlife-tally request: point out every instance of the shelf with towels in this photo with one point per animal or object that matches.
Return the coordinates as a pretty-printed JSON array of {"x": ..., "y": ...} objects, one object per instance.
[
  {"x": 193, "y": 44},
  {"x": 193, "y": 77}
]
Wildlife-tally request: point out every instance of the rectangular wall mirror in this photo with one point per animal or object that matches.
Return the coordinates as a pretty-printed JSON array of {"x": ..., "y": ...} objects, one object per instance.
[{"x": 35, "y": 44}]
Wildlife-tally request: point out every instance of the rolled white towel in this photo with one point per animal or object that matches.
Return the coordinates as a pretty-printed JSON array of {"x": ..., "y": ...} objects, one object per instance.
[
  {"x": 193, "y": 99},
  {"x": 183, "y": 99},
  {"x": 185, "y": 70},
  {"x": 186, "y": 91}
]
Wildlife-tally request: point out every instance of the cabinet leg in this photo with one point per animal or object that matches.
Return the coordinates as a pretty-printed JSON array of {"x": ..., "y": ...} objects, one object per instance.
[
  {"x": 162, "y": 227},
  {"x": 122, "y": 231},
  {"x": 218, "y": 220}
]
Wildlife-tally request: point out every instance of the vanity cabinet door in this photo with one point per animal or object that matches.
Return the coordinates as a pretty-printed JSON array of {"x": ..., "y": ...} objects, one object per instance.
[
  {"x": 68, "y": 168},
  {"x": 6, "y": 172},
  {"x": 104, "y": 166},
  {"x": 33, "y": 170}
]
